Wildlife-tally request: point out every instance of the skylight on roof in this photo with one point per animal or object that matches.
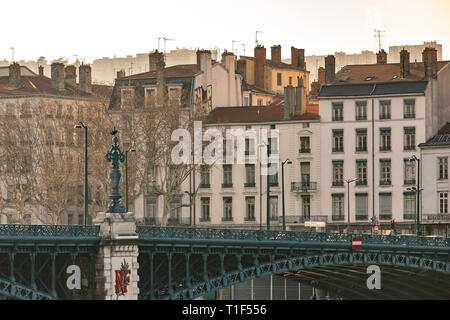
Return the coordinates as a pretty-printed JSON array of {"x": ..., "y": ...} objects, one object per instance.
[{"x": 369, "y": 78}]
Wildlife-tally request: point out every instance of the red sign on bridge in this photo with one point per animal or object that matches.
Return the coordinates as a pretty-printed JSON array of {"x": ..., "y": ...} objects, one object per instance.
[{"x": 356, "y": 243}]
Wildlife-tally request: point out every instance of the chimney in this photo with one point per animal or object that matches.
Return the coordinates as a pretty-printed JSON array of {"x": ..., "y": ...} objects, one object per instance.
[
  {"x": 429, "y": 57},
  {"x": 241, "y": 68},
  {"x": 382, "y": 57},
  {"x": 41, "y": 71},
  {"x": 153, "y": 58},
  {"x": 204, "y": 64},
  {"x": 330, "y": 69},
  {"x": 298, "y": 58},
  {"x": 14, "y": 75},
  {"x": 84, "y": 72},
  {"x": 300, "y": 98},
  {"x": 71, "y": 76},
  {"x": 289, "y": 101},
  {"x": 57, "y": 75},
  {"x": 160, "y": 82},
  {"x": 404, "y": 63},
  {"x": 120, "y": 74},
  {"x": 228, "y": 61},
  {"x": 321, "y": 75},
  {"x": 260, "y": 60},
  {"x": 275, "y": 54}
]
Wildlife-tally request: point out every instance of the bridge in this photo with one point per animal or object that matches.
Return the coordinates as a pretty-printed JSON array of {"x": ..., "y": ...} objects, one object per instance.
[{"x": 186, "y": 263}]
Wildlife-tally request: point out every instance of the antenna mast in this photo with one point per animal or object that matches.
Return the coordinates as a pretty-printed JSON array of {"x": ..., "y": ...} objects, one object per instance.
[
  {"x": 12, "y": 51},
  {"x": 232, "y": 45},
  {"x": 256, "y": 37},
  {"x": 379, "y": 35}
]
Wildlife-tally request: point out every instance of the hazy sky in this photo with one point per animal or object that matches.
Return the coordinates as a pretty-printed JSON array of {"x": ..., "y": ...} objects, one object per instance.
[{"x": 99, "y": 28}]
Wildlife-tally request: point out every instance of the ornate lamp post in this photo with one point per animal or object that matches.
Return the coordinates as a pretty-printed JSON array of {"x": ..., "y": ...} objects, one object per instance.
[
  {"x": 126, "y": 176},
  {"x": 287, "y": 161},
  {"x": 80, "y": 126},
  {"x": 114, "y": 155}
]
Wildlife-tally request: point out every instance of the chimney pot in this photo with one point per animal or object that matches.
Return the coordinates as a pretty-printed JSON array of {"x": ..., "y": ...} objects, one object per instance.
[
  {"x": 330, "y": 69},
  {"x": 298, "y": 58},
  {"x": 71, "y": 76},
  {"x": 404, "y": 63},
  {"x": 57, "y": 75},
  {"x": 382, "y": 57},
  {"x": 429, "y": 57},
  {"x": 84, "y": 72},
  {"x": 260, "y": 60},
  {"x": 120, "y": 74},
  {"x": 153, "y": 59},
  {"x": 276, "y": 54},
  {"x": 14, "y": 75},
  {"x": 41, "y": 71}
]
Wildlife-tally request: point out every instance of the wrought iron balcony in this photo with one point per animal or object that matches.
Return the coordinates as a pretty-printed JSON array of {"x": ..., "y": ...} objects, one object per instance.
[
  {"x": 227, "y": 185},
  {"x": 304, "y": 186},
  {"x": 361, "y": 217},
  {"x": 205, "y": 219},
  {"x": 338, "y": 183},
  {"x": 49, "y": 231},
  {"x": 409, "y": 115},
  {"x": 249, "y": 185},
  {"x": 304, "y": 150},
  {"x": 385, "y": 148},
  {"x": 205, "y": 185},
  {"x": 413, "y": 182},
  {"x": 225, "y": 219},
  {"x": 249, "y": 219},
  {"x": 361, "y": 149},
  {"x": 302, "y": 219},
  {"x": 385, "y": 216},
  {"x": 340, "y": 149},
  {"x": 337, "y": 217},
  {"x": 385, "y": 182},
  {"x": 338, "y": 118},
  {"x": 362, "y": 117},
  {"x": 409, "y": 216},
  {"x": 441, "y": 217}
]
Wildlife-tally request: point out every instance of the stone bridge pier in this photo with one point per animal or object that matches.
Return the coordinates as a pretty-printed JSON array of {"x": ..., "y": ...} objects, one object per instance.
[{"x": 117, "y": 258}]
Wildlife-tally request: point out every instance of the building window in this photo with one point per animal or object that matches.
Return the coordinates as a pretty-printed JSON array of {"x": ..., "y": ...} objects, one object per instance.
[
  {"x": 338, "y": 173},
  {"x": 338, "y": 140},
  {"x": 305, "y": 125},
  {"x": 250, "y": 208},
  {"x": 151, "y": 210},
  {"x": 273, "y": 207},
  {"x": 443, "y": 202},
  {"x": 249, "y": 175},
  {"x": 410, "y": 138},
  {"x": 361, "y": 110},
  {"x": 150, "y": 97},
  {"x": 279, "y": 79},
  {"x": 385, "y": 172},
  {"x": 227, "y": 209},
  {"x": 305, "y": 174},
  {"x": 204, "y": 176},
  {"x": 70, "y": 220},
  {"x": 361, "y": 140},
  {"x": 245, "y": 101},
  {"x": 304, "y": 145},
  {"x": 127, "y": 97},
  {"x": 175, "y": 96},
  {"x": 443, "y": 168},
  {"x": 205, "y": 203},
  {"x": 361, "y": 172},
  {"x": 409, "y": 108},
  {"x": 385, "y": 206},
  {"x": 273, "y": 178},
  {"x": 385, "y": 139},
  {"x": 273, "y": 145},
  {"x": 306, "y": 207},
  {"x": 337, "y": 206},
  {"x": 249, "y": 147},
  {"x": 338, "y": 111},
  {"x": 227, "y": 147},
  {"x": 290, "y": 81},
  {"x": 227, "y": 176},
  {"x": 175, "y": 210},
  {"x": 260, "y": 102},
  {"x": 410, "y": 172},
  {"x": 361, "y": 206},
  {"x": 385, "y": 109},
  {"x": 81, "y": 219},
  {"x": 409, "y": 205}
]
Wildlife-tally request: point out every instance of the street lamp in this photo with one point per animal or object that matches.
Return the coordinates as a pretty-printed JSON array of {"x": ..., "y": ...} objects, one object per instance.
[
  {"x": 414, "y": 158},
  {"x": 80, "y": 126},
  {"x": 287, "y": 161},
  {"x": 348, "y": 202},
  {"x": 131, "y": 149}
]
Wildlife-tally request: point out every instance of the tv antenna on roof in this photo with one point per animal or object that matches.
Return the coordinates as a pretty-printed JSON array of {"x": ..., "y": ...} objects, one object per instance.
[
  {"x": 12, "y": 51},
  {"x": 165, "y": 40},
  {"x": 379, "y": 35},
  {"x": 256, "y": 37},
  {"x": 232, "y": 45}
]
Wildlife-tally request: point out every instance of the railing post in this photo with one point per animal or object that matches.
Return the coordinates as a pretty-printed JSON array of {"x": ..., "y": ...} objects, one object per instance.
[
  {"x": 169, "y": 273},
  {"x": 53, "y": 260},
  {"x": 12, "y": 255}
]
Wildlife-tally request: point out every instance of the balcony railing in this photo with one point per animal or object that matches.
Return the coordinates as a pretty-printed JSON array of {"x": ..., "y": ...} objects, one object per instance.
[
  {"x": 409, "y": 115},
  {"x": 361, "y": 149},
  {"x": 338, "y": 118},
  {"x": 409, "y": 182},
  {"x": 409, "y": 216},
  {"x": 385, "y": 148},
  {"x": 302, "y": 219},
  {"x": 249, "y": 185},
  {"x": 338, "y": 183},
  {"x": 362, "y": 217},
  {"x": 224, "y": 219},
  {"x": 304, "y": 186},
  {"x": 304, "y": 150},
  {"x": 436, "y": 217},
  {"x": 205, "y": 219},
  {"x": 205, "y": 185},
  {"x": 385, "y": 182},
  {"x": 385, "y": 216},
  {"x": 227, "y": 185},
  {"x": 337, "y": 217},
  {"x": 340, "y": 149}
]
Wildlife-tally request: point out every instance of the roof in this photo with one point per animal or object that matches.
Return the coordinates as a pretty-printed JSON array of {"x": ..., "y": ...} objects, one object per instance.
[
  {"x": 373, "y": 89},
  {"x": 381, "y": 73},
  {"x": 181, "y": 70},
  {"x": 442, "y": 138},
  {"x": 258, "y": 90},
  {"x": 24, "y": 71},
  {"x": 271, "y": 113}
]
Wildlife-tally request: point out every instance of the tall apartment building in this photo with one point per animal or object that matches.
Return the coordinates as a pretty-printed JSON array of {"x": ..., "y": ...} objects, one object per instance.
[{"x": 372, "y": 119}]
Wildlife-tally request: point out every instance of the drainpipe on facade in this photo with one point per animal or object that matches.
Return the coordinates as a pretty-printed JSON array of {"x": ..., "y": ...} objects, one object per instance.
[{"x": 373, "y": 161}]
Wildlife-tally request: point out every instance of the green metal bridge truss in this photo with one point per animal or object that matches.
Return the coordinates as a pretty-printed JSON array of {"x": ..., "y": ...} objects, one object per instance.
[
  {"x": 34, "y": 261},
  {"x": 185, "y": 263}
]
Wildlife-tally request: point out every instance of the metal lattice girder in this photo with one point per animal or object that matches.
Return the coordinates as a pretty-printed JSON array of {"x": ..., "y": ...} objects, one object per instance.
[
  {"x": 15, "y": 290},
  {"x": 9, "y": 231}
]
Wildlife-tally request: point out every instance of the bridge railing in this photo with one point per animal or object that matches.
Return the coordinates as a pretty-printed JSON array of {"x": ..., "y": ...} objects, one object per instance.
[
  {"x": 47, "y": 231},
  {"x": 260, "y": 235}
]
